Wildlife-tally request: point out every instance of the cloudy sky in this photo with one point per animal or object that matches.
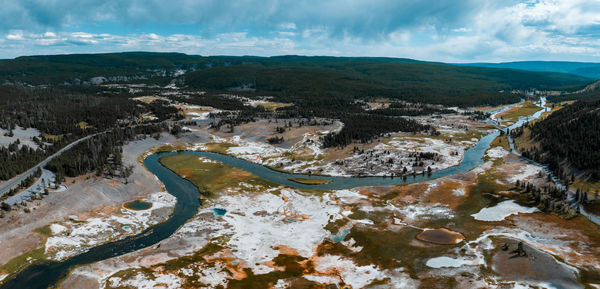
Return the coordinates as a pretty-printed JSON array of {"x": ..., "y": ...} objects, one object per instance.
[{"x": 438, "y": 30}]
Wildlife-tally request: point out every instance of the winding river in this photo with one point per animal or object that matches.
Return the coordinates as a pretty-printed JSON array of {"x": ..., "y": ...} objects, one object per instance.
[{"x": 47, "y": 274}]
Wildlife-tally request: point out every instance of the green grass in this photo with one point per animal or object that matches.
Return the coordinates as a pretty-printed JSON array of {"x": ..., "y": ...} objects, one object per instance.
[
  {"x": 35, "y": 256},
  {"x": 169, "y": 148},
  {"x": 512, "y": 115},
  {"x": 210, "y": 177},
  {"x": 44, "y": 231},
  {"x": 587, "y": 186},
  {"x": 309, "y": 181},
  {"x": 82, "y": 124},
  {"x": 465, "y": 135},
  {"x": 272, "y": 106},
  {"x": 23, "y": 261},
  {"x": 500, "y": 141},
  {"x": 220, "y": 147},
  {"x": 482, "y": 194},
  {"x": 53, "y": 137}
]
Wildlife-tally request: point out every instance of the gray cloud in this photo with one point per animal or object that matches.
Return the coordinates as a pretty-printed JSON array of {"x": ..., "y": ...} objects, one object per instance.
[
  {"x": 442, "y": 30},
  {"x": 339, "y": 18}
]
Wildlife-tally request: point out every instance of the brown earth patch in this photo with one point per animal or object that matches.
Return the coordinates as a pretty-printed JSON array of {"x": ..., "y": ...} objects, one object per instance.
[
  {"x": 580, "y": 235},
  {"x": 444, "y": 193},
  {"x": 441, "y": 236},
  {"x": 404, "y": 193},
  {"x": 535, "y": 266}
]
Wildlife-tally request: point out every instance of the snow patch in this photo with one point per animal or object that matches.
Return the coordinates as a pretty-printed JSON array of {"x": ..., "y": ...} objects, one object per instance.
[
  {"x": 257, "y": 224},
  {"x": 459, "y": 192},
  {"x": 525, "y": 171},
  {"x": 142, "y": 281},
  {"x": 418, "y": 212},
  {"x": 442, "y": 262},
  {"x": 501, "y": 211},
  {"x": 496, "y": 152},
  {"x": 57, "y": 229},
  {"x": 72, "y": 237},
  {"x": 357, "y": 276}
]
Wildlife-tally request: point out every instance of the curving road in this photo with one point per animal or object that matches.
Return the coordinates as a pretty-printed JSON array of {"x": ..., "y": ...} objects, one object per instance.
[{"x": 15, "y": 181}]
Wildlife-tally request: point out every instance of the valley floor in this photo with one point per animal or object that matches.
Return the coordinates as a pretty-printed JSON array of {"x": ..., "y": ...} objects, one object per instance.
[{"x": 458, "y": 231}]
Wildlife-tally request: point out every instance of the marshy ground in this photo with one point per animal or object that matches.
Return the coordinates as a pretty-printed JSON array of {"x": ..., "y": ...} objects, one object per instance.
[{"x": 251, "y": 233}]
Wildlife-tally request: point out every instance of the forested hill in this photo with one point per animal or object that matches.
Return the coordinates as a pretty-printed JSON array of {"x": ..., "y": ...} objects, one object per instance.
[
  {"x": 292, "y": 76},
  {"x": 585, "y": 69},
  {"x": 72, "y": 68},
  {"x": 591, "y": 91},
  {"x": 411, "y": 81},
  {"x": 569, "y": 140}
]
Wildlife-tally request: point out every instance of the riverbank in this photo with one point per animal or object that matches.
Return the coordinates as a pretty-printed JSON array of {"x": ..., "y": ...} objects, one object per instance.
[
  {"x": 260, "y": 232},
  {"x": 392, "y": 215},
  {"x": 353, "y": 231},
  {"x": 301, "y": 151},
  {"x": 85, "y": 198}
]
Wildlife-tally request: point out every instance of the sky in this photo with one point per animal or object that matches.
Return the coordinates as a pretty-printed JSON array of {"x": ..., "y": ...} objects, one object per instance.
[{"x": 434, "y": 30}]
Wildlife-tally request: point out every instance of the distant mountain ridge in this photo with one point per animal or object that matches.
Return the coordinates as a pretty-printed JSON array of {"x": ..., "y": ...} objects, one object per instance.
[
  {"x": 308, "y": 77},
  {"x": 585, "y": 69}
]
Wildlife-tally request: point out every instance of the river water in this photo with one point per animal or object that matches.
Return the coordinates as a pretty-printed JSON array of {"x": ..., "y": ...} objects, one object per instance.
[{"x": 47, "y": 274}]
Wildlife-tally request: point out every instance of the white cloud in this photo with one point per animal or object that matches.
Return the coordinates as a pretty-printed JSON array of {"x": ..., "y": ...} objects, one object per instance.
[
  {"x": 288, "y": 25},
  {"x": 286, "y": 33},
  {"x": 15, "y": 36},
  {"x": 483, "y": 31},
  {"x": 461, "y": 29},
  {"x": 153, "y": 36}
]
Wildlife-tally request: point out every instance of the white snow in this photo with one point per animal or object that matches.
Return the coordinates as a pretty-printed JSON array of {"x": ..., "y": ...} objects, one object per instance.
[
  {"x": 358, "y": 276},
  {"x": 257, "y": 224},
  {"x": 549, "y": 242},
  {"x": 309, "y": 141},
  {"x": 72, "y": 237},
  {"x": 321, "y": 279},
  {"x": 142, "y": 281},
  {"x": 349, "y": 196},
  {"x": 253, "y": 151},
  {"x": 382, "y": 160},
  {"x": 525, "y": 171},
  {"x": 61, "y": 188},
  {"x": 25, "y": 137},
  {"x": 57, "y": 229},
  {"x": 418, "y": 211},
  {"x": 364, "y": 222},
  {"x": 441, "y": 262},
  {"x": 214, "y": 276},
  {"x": 459, "y": 192},
  {"x": 501, "y": 211},
  {"x": 496, "y": 152}
]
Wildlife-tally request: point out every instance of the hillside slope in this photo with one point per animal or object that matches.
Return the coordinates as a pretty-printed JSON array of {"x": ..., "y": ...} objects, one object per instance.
[
  {"x": 286, "y": 76},
  {"x": 585, "y": 69},
  {"x": 406, "y": 80},
  {"x": 569, "y": 140}
]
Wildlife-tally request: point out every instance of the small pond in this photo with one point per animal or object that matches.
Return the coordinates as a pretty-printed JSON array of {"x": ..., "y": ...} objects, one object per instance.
[
  {"x": 138, "y": 205},
  {"x": 340, "y": 236},
  {"x": 219, "y": 211}
]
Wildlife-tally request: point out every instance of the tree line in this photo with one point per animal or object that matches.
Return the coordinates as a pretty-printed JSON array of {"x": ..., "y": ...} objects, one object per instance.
[
  {"x": 359, "y": 124},
  {"x": 62, "y": 115},
  {"x": 101, "y": 153},
  {"x": 569, "y": 140}
]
